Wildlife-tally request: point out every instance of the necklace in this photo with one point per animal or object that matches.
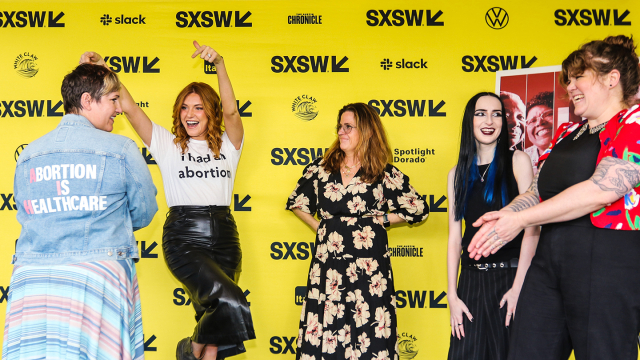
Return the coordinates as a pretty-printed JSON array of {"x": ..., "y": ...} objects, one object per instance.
[
  {"x": 485, "y": 173},
  {"x": 347, "y": 169},
  {"x": 592, "y": 130}
]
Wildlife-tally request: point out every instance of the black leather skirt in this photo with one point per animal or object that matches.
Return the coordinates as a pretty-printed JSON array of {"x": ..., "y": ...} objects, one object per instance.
[{"x": 202, "y": 250}]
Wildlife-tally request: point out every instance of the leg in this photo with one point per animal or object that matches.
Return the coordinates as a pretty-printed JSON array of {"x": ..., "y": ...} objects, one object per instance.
[
  {"x": 540, "y": 331},
  {"x": 495, "y": 284},
  {"x": 473, "y": 345}
]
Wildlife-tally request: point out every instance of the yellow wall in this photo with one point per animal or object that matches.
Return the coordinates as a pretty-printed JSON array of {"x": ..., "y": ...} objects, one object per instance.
[{"x": 455, "y": 29}]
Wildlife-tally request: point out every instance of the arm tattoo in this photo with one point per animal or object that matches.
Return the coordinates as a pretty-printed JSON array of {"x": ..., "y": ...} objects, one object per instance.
[
  {"x": 523, "y": 202},
  {"x": 534, "y": 184},
  {"x": 616, "y": 175}
]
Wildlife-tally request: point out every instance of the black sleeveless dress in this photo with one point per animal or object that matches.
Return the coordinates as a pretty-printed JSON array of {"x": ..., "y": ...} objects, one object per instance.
[
  {"x": 582, "y": 290},
  {"x": 486, "y": 338}
]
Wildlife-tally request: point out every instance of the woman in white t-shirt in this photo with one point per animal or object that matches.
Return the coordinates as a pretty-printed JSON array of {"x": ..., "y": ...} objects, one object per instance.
[{"x": 198, "y": 162}]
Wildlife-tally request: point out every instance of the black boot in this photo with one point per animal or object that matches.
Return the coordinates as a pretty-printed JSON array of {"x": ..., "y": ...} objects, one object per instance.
[{"x": 184, "y": 351}]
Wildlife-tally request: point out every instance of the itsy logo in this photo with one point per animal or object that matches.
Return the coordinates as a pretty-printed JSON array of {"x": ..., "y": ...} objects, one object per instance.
[
  {"x": 25, "y": 65},
  {"x": 497, "y": 18}
]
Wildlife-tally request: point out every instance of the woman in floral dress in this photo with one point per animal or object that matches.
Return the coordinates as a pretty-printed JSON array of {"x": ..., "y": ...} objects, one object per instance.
[{"x": 350, "y": 308}]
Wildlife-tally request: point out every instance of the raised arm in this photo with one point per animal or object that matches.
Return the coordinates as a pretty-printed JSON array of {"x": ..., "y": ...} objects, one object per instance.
[
  {"x": 230, "y": 114},
  {"x": 138, "y": 119}
]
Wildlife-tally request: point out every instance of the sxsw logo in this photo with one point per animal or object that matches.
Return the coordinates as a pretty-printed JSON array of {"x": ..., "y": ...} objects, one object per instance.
[
  {"x": 295, "y": 156},
  {"x": 475, "y": 63},
  {"x": 293, "y": 250},
  {"x": 147, "y": 251},
  {"x": 132, "y": 64},
  {"x": 418, "y": 299},
  {"x": 8, "y": 203},
  {"x": 402, "y": 108},
  {"x": 586, "y": 17},
  {"x": 304, "y": 64},
  {"x": 32, "y": 19},
  {"x": 404, "y": 18},
  {"x": 404, "y": 64},
  {"x": 282, "y": 345},
  {"x": 4, "y": 294},
  {"x": 123, "y": 20},
  {"x": 209, "y": 19},
  {"x": 30, "y": 108},
  {"x": 180, "y": 297}
]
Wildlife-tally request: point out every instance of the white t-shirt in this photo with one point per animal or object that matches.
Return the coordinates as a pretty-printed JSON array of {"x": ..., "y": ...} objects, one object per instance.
[{"x": 197, "y": 177}]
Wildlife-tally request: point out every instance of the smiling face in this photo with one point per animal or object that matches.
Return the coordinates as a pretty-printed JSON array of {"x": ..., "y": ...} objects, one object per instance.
[
  {"x": 514, "y": 112},
  {"x": 540, "y": 126},
  {"x": 589, "y": 94},
  {"x": 193, "y": 117},
  {"x": 103, "y": 112},
  {"x": 487, "y": 120},
  {"x": 348, "y": 141}
]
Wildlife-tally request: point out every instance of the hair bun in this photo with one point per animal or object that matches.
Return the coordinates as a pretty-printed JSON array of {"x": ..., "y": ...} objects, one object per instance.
[{"x": 622, "y": 40}]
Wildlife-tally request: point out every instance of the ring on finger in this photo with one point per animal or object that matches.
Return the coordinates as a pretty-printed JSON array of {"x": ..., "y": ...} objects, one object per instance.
[{"x": 208, "y": 55}]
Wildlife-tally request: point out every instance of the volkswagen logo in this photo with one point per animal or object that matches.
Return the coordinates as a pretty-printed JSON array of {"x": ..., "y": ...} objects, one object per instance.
[
  {"x": 19, "y": 150},
  {"x": 497, "y": 18}
]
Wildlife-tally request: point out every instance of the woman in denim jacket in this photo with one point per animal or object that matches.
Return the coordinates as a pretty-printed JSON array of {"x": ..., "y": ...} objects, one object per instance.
[{"x": 81, "y": 192}]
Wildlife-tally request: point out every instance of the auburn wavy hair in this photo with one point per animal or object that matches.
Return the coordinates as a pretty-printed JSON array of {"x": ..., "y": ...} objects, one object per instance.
[
  {"x": 372, "y": 150},
  {"x": 212, "y": 108}
]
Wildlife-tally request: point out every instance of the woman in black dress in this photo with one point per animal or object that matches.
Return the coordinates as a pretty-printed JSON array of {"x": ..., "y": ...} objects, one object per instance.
[
  {"x": 581, "y": 292},
  {"x": 349, "y": 311},
  {"x": 485, "y": 178}
]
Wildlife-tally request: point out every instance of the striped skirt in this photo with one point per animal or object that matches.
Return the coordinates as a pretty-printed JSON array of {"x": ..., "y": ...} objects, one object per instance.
[{"x": 78, "y": 311}]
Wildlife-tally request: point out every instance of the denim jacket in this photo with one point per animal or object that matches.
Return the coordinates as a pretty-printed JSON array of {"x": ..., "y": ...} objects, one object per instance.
[{"x": 81, "y": 193}]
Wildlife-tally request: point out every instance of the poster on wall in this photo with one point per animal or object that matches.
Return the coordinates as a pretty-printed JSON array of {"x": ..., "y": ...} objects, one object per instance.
[{"x": 535, "y": 105}]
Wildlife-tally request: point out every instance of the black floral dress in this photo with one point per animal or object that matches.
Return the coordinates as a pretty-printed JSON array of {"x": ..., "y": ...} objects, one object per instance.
[{"x": 350, "y": 308}]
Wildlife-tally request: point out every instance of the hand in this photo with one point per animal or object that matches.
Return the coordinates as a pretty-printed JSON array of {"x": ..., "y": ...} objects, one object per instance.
[
  {"x": 511, "y": 299},
  {"x": 489, "y": 239},
  {"x": 206, "y": 53},
  {"x": 91, "y": 57},
  {"x": 457, "y": 308}
]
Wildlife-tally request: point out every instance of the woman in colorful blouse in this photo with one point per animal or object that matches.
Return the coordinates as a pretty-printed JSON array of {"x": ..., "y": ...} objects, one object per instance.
[{"x": 581, "y": 292}]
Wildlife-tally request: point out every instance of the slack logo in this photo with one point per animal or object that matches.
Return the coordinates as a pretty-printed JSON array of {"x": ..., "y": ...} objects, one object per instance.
[
  {"x": 123, "y": 20},
  {"x": 207, "y": 19},
  {"x": 475, "y": 63},
  {"x": 404, "y": 64},
  {"x": 31, "y": 19},
  {"x": 304, "y": 64}
]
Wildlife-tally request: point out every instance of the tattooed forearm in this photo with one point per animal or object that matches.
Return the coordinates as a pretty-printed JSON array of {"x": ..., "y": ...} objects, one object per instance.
[
  {"x": 616, "y": 175},
  {"x": 523, "y": 202}
]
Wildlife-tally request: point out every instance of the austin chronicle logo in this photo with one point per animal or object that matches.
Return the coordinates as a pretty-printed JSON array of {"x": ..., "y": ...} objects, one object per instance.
[
  {"x": 497, "y": 18},
  {"x": 106, "y": 19},
  {"x": 25, "y": 65},
  {"x": 19, "y": 150},
  {"x": 304, "y": 107},
  {"x": 386, "y": 64},
  {"x": 407, "y": 348}
]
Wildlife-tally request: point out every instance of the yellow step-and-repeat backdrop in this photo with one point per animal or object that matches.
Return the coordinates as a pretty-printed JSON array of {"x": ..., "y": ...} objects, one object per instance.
[{"x": 417, "y": 62}]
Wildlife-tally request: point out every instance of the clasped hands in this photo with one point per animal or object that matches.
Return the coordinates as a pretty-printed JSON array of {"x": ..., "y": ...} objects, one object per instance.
[{"x": 497, "y": 228}]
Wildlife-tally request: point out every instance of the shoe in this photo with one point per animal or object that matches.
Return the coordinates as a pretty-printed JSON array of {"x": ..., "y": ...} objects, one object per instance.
[{"x": 184, "y": 351}]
